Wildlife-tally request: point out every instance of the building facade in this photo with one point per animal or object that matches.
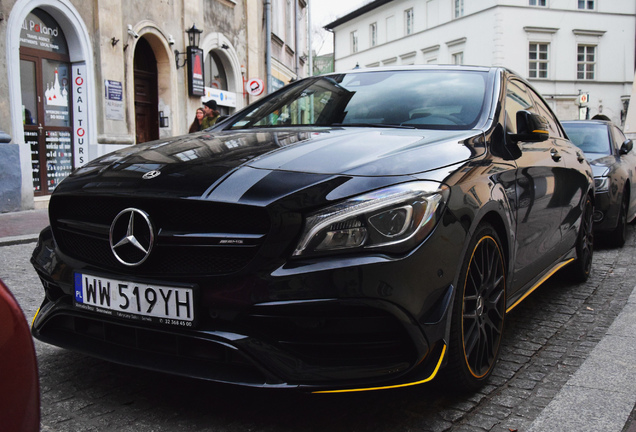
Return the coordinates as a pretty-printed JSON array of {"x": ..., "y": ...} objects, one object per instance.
[
  {"x": 86, "y": 78},
  {"x": 578, "y": 53}
]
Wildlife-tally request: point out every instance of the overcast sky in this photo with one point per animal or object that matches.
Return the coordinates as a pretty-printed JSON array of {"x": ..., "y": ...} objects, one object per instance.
[{"x": 325, "y": 11}]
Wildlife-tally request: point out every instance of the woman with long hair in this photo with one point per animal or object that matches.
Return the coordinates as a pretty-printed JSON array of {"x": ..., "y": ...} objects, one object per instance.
[{"x": 196, "y": 124}]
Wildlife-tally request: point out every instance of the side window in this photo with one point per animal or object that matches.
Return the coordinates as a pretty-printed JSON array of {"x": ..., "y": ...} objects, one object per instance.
[
  {"x": 619, "y": 138},
  {"x": 517, "y": 99},
  {"x": 543, "y": 110}
]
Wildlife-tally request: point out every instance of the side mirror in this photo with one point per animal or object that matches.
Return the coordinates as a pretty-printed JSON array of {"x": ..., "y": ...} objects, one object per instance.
[
  {"x": 627, "y": 146},
  {"x": 530, "y": 128}
]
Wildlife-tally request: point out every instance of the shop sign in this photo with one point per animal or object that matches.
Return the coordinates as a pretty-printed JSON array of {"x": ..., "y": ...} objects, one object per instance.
[
  {"x": 114, "y": 100},
  {"x": 80, "y": 117},
  {"x": 222, "y": 97},
  {"x": 41, "y": 31},
  {"x": 196, "y": 78},
  {"x": 254, "y": 86}
]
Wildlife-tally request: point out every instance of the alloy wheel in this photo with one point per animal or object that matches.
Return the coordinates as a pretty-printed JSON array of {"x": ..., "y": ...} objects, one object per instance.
[{"x": 483, "y": 307}]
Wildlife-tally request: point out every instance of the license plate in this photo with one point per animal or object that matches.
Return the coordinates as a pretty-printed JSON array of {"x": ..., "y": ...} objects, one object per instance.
[{"x": 132, "y": 300}]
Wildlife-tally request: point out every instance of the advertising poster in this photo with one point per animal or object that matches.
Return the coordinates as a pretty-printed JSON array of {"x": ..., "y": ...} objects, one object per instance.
[
  {"x": 59, "y": 157},
  {"x": 196, "y": 76}
]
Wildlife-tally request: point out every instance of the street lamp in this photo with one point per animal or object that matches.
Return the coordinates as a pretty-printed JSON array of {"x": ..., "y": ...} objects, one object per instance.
[{"x": 194, "y": 35}]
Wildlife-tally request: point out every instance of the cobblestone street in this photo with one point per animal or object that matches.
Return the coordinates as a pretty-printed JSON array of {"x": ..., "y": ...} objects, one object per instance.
[{"x": 547, "y": 338}]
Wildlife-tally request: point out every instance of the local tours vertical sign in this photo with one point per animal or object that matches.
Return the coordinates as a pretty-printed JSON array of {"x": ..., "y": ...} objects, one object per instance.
[{"x": 80, "y": 115}]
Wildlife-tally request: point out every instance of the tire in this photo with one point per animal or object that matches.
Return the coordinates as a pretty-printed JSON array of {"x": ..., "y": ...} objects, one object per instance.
[
  {"x": 479, "y": 310},
  {"x": 579, "y": 270},
  {"x": 618, "y": 236}
]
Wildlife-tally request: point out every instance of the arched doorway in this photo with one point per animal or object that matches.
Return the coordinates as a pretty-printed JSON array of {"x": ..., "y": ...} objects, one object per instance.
[
  {"x": 45, "y": 77},
  {"x": 146, "y": 93},
  {"x": 216, "y": 77}
]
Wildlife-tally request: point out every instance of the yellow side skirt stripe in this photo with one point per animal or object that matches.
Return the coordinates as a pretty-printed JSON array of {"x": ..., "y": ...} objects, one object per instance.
[
  {"x": 538, "y": 284},
  {"x": 439, "y": 364}
]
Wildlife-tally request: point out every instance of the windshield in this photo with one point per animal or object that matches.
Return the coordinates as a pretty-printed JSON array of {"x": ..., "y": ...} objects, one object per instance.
[
  {"x": 589, "y": 137},
  {"x": 429, "y": 99}
]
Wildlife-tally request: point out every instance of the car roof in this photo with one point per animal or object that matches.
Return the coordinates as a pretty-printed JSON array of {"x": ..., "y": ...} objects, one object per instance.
[
  {"x": 421, "y": 67},
  {"x": 605, "y": 122}
]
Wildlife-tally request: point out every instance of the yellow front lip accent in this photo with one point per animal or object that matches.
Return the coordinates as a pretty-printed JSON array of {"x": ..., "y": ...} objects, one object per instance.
[
  {"x": 35, "y": 316},
  {"x": 439, "y": 364}
]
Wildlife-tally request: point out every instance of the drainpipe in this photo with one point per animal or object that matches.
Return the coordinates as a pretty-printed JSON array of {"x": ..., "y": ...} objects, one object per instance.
[
  {"x": 310, "y": 51},
  {"x": 268, "y": 44},
  {"x": 296, "y": 41},
  {"x": 333, "y": 56}
]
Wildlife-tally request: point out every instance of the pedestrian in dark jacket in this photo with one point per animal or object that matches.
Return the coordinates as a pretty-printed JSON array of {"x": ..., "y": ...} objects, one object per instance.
[{"x": 211, "y": 114}]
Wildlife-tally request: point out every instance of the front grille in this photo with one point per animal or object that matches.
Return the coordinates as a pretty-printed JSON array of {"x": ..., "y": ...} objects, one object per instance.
[
  {"x": 336, "y": 335},
  {"x": 187, "y": 233}
]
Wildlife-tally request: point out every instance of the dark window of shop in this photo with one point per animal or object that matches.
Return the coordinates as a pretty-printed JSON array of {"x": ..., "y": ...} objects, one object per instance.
[
  {"x": 146, "y": 93},
  {"x": 216, "y": 77},
  {"x": 45, "y": 78},
  {"x": 215, "y": 71}
]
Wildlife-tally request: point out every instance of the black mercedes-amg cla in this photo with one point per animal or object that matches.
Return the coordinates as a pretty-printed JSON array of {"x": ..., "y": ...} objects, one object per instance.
[{"x": 353, "y": 231}]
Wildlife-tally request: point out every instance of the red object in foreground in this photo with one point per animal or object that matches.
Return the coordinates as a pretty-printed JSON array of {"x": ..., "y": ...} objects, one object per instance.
[{"x": 19, "y": 384}]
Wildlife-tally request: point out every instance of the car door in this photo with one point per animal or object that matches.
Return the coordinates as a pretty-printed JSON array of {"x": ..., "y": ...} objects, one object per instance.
[
  {"x": 570, "y": 182},
  {"x": 539, "y": 206}
]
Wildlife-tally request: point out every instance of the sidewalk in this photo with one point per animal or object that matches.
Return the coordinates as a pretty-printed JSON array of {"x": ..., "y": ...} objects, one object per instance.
[
  {"x": 23, "y": 226},
  {"x": 600, "y": 396}
]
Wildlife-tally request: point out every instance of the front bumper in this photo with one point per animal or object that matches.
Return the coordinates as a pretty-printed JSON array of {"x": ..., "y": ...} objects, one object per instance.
[
  {"x": 351, "y": 324},
  {"x": 606, "y": 211}
]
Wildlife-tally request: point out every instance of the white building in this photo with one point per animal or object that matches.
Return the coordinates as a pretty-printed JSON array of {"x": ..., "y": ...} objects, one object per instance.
[{"x": 577, "y": 53}]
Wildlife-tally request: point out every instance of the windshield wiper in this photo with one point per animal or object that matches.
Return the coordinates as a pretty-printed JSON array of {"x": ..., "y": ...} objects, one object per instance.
[{"x": 374, "y": 125}]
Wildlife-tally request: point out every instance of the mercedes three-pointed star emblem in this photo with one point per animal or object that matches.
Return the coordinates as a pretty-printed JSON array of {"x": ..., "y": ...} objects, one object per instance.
[
  {"x": 151, "y": 174},
  {"x": 131, "y": 237}
]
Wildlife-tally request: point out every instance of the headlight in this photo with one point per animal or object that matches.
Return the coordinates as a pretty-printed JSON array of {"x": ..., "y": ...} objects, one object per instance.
[
  {"x": 394, "y": 219},
  {"x": 601, "y": 184}
]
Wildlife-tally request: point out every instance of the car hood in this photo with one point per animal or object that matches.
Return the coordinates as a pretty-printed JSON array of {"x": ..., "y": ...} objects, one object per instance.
[{"x": 194, "y": 165}]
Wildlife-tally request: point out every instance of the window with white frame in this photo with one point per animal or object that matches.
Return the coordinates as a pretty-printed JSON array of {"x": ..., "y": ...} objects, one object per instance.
[
  {"x": 586, "y": 62},
  {"x": 408, "y": 21},
  {"x": 538, "y": 57},
  {"x": 586, "y": 4},
  {"x": 354, "y": 41},
  {"x": 373, "y": 34},
  {"x": 538, "y": 2},
  {"x": 458, "y": 58},
  {"x": 458, "y": 8}
]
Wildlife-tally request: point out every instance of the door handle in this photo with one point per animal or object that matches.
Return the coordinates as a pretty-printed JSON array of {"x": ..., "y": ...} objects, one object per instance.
[{"x": 555, "y": 155}]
